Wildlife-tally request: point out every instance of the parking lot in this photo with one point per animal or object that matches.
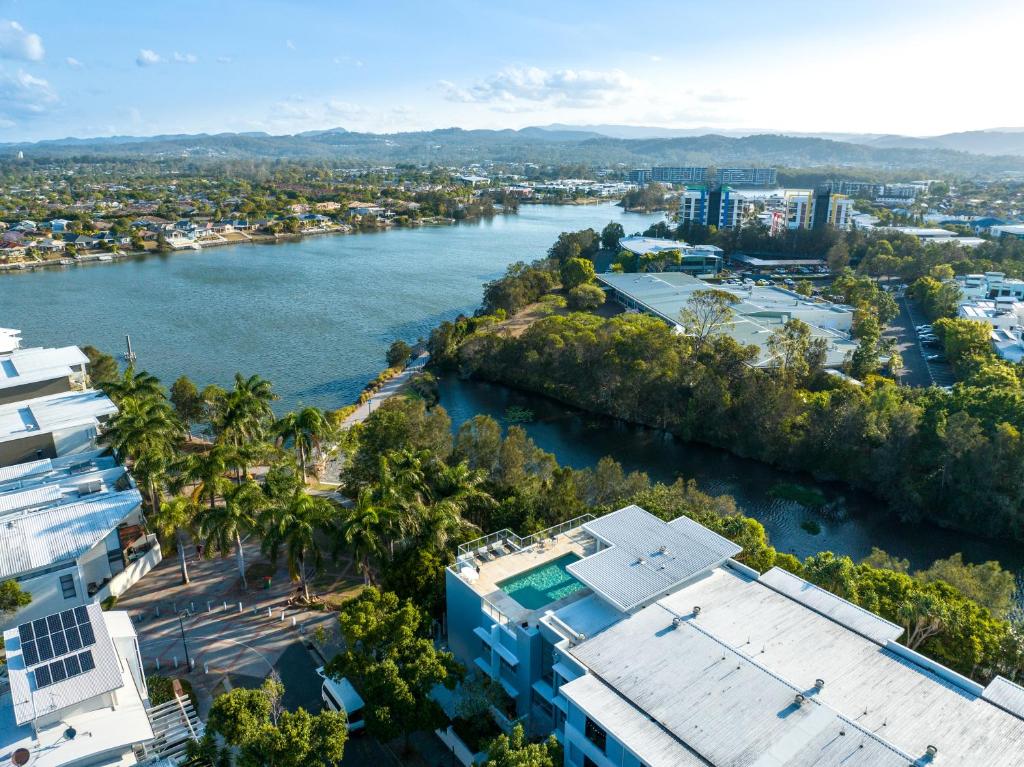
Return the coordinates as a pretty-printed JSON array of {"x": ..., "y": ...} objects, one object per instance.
[{"x": 919, "y": 370}]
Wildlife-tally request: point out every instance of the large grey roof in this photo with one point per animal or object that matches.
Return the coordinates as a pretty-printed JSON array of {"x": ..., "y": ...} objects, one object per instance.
[
  {"x": 30, "y": 702},
  {"x": 825, "y": 602},
  {"x": 646, "y": 557},
  {"x": 24, "y": 366},
  {"x": 724, "y": 683}
]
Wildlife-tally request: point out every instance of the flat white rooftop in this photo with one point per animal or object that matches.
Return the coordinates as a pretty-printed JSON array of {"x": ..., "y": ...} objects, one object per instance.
[
  {"x": 55, "y": 412},
  {"x": 722, "y": 683},
  {"x": 25, "y": 366}
]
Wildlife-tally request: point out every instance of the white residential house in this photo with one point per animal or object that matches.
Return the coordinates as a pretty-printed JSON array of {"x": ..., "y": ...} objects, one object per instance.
[
  {"x": 71, "y": 532},
  {"x": 36, "y": 372},
  {"x": 52, "y": 426},
  {"x": 77, "y": 696}
]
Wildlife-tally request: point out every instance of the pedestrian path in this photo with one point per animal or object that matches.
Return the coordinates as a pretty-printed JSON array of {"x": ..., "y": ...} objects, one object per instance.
[{"x": 389, "y": 389}]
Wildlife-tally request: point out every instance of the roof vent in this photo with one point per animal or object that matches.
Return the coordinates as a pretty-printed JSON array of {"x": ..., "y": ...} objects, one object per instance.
[
  {"x": 819, "y": 683},
  {"x": 931, "y": 750},
  {"x": 640, "y": 560},
  {"x": 663, "y": 549},
  {"x": 799, "y": 699},
  {"x": 677, "y": 621},
  {"x": 696, "y": 610}
]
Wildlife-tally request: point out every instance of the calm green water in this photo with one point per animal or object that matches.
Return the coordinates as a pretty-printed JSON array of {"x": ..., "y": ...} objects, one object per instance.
[
  {"x": 580, "y": 440},
  {"x": 313, "y": 316},
  {"x": 543, "y": 585}
]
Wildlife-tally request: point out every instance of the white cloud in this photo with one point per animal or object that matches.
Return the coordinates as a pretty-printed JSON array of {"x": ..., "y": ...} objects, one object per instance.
[
  {"x": 24, "y": 95},
  {"x": 74, "y": 63},
  {"x": 148, "y": 58},
  {"x": 18, "y": 43},
  {"x": 185, "y": 58},
  {"x": 289, "y": 45},
  {"x": 515, "y": 87},
  {"x": 224, "y": 59}
]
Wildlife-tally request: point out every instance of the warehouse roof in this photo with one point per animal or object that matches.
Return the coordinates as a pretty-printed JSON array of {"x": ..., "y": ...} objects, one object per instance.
[{"x": 723, "y": 680}]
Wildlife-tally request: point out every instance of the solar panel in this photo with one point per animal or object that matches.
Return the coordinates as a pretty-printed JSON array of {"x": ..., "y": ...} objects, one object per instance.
[
  {"x": 88, "y": 637},
  {"x": 43, "y": 677},
  {"x": 47, "y": 642},
  {"x": 44, "y": 648},
  {"x": 28, "y": 650}
]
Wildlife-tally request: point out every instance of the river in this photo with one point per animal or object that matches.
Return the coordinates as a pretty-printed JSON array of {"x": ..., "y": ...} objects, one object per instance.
[{"x": 316, "y": 315}]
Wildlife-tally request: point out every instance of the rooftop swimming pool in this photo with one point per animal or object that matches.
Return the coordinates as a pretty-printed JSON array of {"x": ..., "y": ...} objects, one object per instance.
[{"x": 544, "y": 584}]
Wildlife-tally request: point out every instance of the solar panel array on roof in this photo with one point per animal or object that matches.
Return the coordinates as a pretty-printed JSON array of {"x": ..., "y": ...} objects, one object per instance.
[{"x": 51, "y": 646}]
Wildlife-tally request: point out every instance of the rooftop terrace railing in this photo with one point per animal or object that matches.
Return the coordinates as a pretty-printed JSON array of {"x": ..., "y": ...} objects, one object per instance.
[{"x": 505, "y": 537}]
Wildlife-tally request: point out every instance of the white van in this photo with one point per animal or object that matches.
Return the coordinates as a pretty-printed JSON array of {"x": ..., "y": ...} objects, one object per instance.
[{"x": 340, "y": 695}]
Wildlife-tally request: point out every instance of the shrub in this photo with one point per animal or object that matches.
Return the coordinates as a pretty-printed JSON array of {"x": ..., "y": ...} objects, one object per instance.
[{"x": 586, "y": 297}]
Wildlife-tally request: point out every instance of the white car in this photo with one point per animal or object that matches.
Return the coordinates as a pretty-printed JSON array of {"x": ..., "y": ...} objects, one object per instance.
[{"x": 340, "y": 695}]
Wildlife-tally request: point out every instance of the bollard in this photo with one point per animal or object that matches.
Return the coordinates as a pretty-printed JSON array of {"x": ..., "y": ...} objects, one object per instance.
[
  {"x": 191, "y": 664},
  {"x": 209, "y": 607},
  {"x": 157, "y": 609},
  {"x": 239, "y": 607},
  {"x": 192, "y": 606},
  {"x": 175, "y": 661},
  {"x": 270, "y": 613},
  {"x": 293, "y": 621},
  {"x": 174, "y": 607},
  {"x": 282, "y": 615},
  {"x": 206, "y": 667},
  {"x": 225, "y": 607},
  {"x": 157, "y": 664}
]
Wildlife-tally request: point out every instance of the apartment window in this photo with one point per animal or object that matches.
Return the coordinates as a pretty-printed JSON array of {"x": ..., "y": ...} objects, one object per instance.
[
  {"x": 595, "y": 734},
  {"x": 67, "y": 586}
]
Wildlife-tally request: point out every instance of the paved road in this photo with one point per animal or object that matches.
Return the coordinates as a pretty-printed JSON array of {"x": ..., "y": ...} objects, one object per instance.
[{"x": 297, "y": 670}]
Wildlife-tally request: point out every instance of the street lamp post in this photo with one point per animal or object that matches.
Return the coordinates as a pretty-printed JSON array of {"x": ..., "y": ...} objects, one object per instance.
[{"x": 184, "y": 643}]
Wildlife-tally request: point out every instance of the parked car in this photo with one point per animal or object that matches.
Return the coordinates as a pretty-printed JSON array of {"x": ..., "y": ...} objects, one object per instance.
[
  {"x": 936, "y": 358},
  {"x": 340, "y": 695}
]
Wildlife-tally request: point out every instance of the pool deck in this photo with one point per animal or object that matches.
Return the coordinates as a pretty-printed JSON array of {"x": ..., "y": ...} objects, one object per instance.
[{"x": 503, "y": 567}]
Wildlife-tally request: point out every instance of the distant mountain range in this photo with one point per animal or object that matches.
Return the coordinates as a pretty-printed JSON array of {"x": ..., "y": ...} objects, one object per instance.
[
  {"x": 994, "y": 141},
  {"x": 977, "y": 152}
]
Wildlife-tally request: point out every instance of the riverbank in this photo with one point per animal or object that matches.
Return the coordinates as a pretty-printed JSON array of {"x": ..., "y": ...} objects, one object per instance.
[{"x": 246, "y": 238}]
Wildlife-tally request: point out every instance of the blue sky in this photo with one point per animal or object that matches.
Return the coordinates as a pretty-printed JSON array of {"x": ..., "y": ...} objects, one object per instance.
[{"x": 111, "y": 67}]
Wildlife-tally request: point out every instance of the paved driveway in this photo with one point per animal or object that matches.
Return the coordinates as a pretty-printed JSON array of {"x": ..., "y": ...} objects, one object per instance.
[{"x": 920, "y": 372}]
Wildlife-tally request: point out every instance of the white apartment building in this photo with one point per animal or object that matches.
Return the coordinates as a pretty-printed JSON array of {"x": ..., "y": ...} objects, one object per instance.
[
  {"x": 1008, "y": 230},
  {"x": 644, "y": 643}
]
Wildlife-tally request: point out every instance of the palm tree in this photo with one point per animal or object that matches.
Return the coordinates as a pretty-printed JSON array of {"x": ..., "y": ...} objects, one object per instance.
[
  {"x": 208, "y": 471},
  {"x": 146, "y": 431},
  {"x": 293, "y": 523},
  {"x": 133, "y": 384},
  {"x": 222, "y": 527},
  {"x": 362, "y": 531},
  {"x": 306, "y": 428},
  {"x": 244, "y": 415},
  {"x": 460, "y": 487},
  {"x": 176, "y": 518}
]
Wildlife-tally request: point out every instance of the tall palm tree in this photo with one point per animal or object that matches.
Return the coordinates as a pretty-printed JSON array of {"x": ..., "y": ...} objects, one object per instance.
[
  {"x": 176, "y": 518},
  {"x": 133, "y": 384},
  {"x": 293, "y": 524},
  {"x": 146, "y": 431},
  {"x": 208, "y": 472},
  {"x": 460, "y": 487},
  {"x": 306, "y": 428},
  {"x": 244, "y": 415},
  {"x": 222, "y": 527},
  {"x": 363, "y": 528}
]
